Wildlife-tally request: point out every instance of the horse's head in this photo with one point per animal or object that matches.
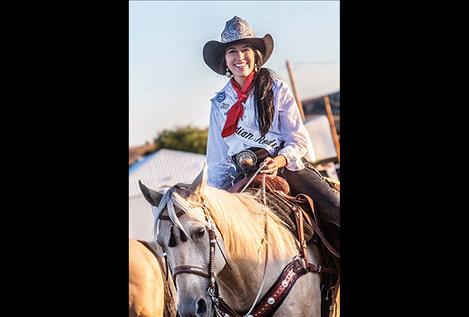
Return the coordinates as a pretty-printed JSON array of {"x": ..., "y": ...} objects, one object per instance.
[{"x": 182, "y": 228}]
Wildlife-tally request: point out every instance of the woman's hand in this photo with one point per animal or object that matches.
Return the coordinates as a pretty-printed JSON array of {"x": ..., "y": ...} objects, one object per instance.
[{"x": 272, "y": 165}]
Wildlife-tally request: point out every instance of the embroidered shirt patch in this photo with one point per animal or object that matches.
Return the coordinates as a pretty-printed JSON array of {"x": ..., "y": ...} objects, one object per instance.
[{"x": 220, "y": 96}]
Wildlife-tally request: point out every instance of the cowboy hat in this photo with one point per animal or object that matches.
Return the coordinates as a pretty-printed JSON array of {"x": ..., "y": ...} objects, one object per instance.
[{"x": 236, "y": 30}]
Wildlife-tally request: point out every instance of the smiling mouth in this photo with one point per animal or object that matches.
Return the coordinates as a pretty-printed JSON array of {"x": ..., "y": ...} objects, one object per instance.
[{"x": 241, "y": 65}]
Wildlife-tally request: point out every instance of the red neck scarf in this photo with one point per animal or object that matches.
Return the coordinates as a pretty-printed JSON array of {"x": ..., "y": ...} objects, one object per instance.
[{"x": 236, "y": 112}]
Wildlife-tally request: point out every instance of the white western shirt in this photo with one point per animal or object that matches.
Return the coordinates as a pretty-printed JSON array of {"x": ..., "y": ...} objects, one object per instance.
[{"x": 287, "y": 126}]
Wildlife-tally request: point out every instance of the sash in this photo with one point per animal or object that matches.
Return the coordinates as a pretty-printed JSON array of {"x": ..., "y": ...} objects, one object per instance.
[{"x": 253, "y": 138}]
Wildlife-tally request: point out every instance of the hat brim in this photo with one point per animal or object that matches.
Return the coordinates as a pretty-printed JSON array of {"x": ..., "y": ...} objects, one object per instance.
[{"x": 214, "y": 52}]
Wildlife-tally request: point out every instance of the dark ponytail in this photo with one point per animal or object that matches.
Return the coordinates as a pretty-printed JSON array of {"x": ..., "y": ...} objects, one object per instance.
[{"x": 263, "y": 95}]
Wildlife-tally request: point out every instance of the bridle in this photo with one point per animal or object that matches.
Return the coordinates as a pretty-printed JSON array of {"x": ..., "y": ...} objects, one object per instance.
[{"x": 191, "y": 269}]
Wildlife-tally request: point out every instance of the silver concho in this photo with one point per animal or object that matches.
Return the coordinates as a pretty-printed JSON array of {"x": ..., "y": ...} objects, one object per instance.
[
  {"x": 271, "y": 300},
  {"x": 246, "y": 158},
  {"x": 284, "y": 283}
]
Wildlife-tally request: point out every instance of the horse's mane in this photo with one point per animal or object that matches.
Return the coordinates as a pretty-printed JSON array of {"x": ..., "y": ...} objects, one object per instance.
[{"x": 240, "y": 215}]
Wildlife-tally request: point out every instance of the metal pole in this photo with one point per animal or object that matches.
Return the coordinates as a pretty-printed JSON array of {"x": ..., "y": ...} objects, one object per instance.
[
  {"x": 330, "y": 117},
  {"x": 295, "y": 92}
]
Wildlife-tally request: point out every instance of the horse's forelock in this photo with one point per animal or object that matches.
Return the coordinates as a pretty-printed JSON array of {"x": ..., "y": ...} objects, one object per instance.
[{"x": 173, "y": 198}]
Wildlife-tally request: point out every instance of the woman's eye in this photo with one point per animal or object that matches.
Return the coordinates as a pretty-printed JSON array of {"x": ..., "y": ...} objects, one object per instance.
[{"x": 200, "y": 233}]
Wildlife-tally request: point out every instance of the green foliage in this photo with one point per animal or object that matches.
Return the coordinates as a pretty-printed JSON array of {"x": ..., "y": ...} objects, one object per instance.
[{"x": 187, "y": 139}]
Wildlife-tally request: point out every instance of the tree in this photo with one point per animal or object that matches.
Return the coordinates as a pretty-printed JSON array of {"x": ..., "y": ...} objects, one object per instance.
[{"x": 189, "y": 139}]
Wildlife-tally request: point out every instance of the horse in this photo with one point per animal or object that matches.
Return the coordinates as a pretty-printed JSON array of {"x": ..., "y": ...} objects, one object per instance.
[
  {"x": 193, "y": 221},
  {"x": 150, "y": 294}
]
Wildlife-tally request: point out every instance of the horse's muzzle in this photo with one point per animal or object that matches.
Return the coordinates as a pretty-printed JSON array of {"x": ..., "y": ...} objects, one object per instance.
[{"x": 197, "y": 308}]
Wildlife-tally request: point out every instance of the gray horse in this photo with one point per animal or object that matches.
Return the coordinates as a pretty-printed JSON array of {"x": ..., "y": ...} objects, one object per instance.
[{"x": 253, "y": 246}]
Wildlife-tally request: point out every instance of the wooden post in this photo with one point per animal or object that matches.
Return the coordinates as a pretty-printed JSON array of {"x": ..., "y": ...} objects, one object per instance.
[
  {"x": 330, "y": 117},
  {"x": 295, "y": 92}
]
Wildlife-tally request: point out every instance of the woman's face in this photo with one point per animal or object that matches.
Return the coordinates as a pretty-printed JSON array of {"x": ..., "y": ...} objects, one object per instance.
[{"x": 240, "y": 59}]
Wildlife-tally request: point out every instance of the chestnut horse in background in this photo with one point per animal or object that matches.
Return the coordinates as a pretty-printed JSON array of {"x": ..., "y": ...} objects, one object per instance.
[{"x": 150, "y": 293}]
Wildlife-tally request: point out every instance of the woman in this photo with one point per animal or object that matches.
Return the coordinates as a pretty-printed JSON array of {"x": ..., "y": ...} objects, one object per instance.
[{"x": 257, "y": 110}]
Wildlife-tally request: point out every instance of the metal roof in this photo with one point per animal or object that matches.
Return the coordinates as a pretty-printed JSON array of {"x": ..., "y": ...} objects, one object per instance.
[{"x": 164, "y": 168}]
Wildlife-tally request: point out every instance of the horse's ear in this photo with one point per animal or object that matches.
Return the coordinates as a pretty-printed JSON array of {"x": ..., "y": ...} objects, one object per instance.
[
  {"x": 153, "y": 197},
  {"x": 200, "y": 181}
]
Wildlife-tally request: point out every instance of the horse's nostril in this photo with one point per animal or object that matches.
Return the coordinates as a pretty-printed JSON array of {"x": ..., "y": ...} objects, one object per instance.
[{"x": 201, "y": 307}]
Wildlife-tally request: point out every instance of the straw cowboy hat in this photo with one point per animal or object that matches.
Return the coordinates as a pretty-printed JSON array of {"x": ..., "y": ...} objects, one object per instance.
[{"x": 236, "y": 30}]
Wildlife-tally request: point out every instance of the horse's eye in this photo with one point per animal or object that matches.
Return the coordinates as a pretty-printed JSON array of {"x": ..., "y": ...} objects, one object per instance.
[{"x": 200, "y": 233}]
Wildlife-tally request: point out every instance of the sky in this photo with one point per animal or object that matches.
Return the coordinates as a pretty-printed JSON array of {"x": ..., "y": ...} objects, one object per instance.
[{"x": 171, "y": 86}]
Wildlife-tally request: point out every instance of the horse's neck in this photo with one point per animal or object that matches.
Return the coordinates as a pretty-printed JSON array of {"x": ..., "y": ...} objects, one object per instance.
[{"x": 240, "y": 284}]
